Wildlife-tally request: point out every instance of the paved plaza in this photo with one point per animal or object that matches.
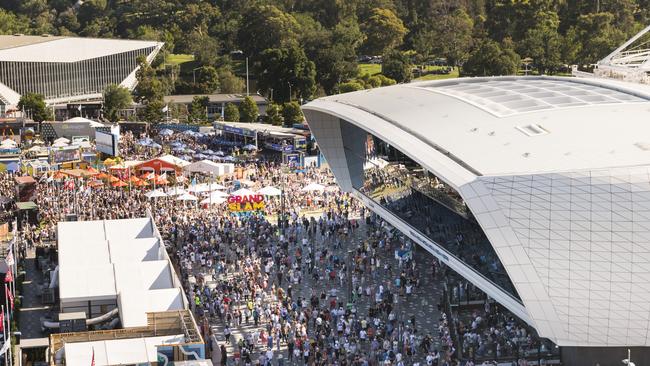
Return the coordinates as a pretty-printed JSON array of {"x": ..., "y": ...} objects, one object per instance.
[{"x": 421, "y": 305}]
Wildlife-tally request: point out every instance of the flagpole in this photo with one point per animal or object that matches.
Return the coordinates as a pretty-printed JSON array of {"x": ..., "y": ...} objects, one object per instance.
[
  {"x": 15, "y": 265},
  {"x": 4, "y": 331},
  {"x": 8, "y": 337}
]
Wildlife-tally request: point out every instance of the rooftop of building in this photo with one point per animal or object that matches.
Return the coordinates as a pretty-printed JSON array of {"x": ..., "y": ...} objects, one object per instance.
[
  {"x": 509, "y": 125},
  {"x": 24, "y": 48},
  {"x": 118, "y": 260}
]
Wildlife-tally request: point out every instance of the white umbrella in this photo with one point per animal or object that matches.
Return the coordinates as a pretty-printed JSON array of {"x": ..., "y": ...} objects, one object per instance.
[
  {"x": 247, "y": 183},
  {"x": 176, "y": 191},
  {"x": 213, "y": 200},
  {"x": 59, "y": 144},
  {"x": 218, "y": 194},
  {"x": 242, "y": 192},
  {"x": 155, "y": 193},
  {"x": 62, "y": 139},
  {"x": 215, "y": 186},
  {"x": 270, "y": 191},
  {"x": 197, "y": 188},
  {"x": 187, "y": 197},
  {"x": 8, "y": 142},
  {"x": 313, "y": 187}
]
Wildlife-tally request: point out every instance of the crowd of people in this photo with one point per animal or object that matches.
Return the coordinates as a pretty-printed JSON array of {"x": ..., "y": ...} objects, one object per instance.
[{"x": 332, "y": 285}]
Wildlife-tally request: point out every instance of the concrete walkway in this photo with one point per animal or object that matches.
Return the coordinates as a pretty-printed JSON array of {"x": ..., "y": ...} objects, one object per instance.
[{"x": 32, "y": 310}]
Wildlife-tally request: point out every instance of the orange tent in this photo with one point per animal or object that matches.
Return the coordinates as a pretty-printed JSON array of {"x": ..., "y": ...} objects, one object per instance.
[
  {"x": 119, "y": 183},
  {"x": 113, "y": 179},
  {"x": 102, "y": 175},
  {"x": 95, "y": 183},
  {"x": 141, "y": 183},
  {"x": 59, "y": 175},
  {"x": 134, "y": 179},
  {"x": 92, "y": 170}
]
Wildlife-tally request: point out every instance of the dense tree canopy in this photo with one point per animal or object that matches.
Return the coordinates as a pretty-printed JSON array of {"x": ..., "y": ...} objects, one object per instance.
[
  {"x": 312, "y": 46},
  {"x": 116, "y": 98}
]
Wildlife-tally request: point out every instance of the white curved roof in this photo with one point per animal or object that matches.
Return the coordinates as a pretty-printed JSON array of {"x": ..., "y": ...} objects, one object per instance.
[
  {"x": 508, "y": 125},
  {"x": 64, "y": 49}
]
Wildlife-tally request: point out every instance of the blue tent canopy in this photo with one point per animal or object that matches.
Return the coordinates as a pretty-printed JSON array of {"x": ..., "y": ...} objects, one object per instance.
[{"x": 12, "y": 167}]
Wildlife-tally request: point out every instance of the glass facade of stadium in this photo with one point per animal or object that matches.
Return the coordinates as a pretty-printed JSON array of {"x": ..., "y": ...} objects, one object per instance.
[
  {"x": 65, "y": 79},
  {"x": 426, "y": 204}
]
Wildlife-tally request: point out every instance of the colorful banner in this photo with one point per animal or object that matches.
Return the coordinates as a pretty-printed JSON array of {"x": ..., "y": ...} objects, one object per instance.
[{"x": 254, "y": 202}]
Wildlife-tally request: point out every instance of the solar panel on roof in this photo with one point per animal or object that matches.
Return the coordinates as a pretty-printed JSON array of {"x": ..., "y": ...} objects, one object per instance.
[{"x": 507, "y": 97}]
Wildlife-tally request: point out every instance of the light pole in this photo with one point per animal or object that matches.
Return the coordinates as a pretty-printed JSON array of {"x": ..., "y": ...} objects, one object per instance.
[
  {"x": 288, "y": 82},
  {"x": 194, "y": 75}
]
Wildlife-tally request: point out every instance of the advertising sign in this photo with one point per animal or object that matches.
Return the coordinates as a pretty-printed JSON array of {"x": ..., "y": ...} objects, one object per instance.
[
  {"x": 77, "y": 140},
  {"x": 254, "y": 202},
  {"x": 300, "y": 144},
  {"x": 65, "y": 154},
  {"x": 238, "y": 131},
  {"x": 106, "y": 143}
]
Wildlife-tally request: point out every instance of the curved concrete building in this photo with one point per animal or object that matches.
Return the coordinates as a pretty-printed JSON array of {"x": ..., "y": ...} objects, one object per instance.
[
  {"x": 535, "y": 189},
  {"x": 67, "y": 69}
]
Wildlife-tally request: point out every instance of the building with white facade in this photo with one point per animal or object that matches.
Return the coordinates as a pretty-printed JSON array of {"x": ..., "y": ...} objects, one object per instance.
[
  {"x": 67, "y": 69},
  {"x": 548, "y": 179}
]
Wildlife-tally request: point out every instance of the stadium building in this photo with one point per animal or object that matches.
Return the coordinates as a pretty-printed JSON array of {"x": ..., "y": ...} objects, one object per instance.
[
  {"x": 67, "y": 69},
  {"x": 535, "y": 189}
]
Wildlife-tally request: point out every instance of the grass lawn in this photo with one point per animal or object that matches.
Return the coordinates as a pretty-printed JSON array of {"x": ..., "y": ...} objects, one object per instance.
[
  {"x": 374, "y": 69},
  {"x": 177, "y": 59},
  {"x": 371, "y": 69},
  {"x": 453, "y": 74}
]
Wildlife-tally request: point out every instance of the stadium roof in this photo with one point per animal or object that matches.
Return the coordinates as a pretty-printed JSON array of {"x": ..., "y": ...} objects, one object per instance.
[
  {"x": 508, "y": 125},
  {"x": 20, "y": 48}
]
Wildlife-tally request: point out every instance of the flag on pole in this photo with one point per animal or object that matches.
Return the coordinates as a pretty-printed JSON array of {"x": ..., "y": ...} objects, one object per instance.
[
  {"x": 5, "y": 348},
  {"x": 10, "y": 257},
  {"x": 9, "y": 277},
  {"x": 92, "y": 360},
  {"x": 11, "y": 297},
  {"x": 79, "y": 108},
  {"x": 2, "y": 321},
  {"x": 166, "y": 108}
]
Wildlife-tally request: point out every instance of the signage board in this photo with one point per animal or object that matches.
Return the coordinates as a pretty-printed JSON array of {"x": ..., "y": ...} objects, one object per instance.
[
  {"x": 238, "y": 131},
  {"x": 65, "y": 154},
  {"x": 106, "y": 143},
  {"x": 253, "y": 202}
]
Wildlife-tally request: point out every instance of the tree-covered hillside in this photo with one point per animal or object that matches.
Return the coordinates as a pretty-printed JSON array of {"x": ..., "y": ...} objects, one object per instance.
[{"x": 303, "y": 48}]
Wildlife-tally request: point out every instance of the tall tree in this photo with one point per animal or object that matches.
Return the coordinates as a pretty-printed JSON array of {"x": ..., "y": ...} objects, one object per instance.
[
  {"x": 229, "y": 83},
  {"x": 292, "y": 114},
  {"x": 489, "y": 59},
  {"x": 273, "y": 115},
  {"x": 266, "y": 26},
  {"x": 34, "y": 105},
  {"x": 453, "y": 36},
  {"x": 543, "y": 43},
  {"x": 248, "y": 110},
  {"x": 285, "y": 70},
  {"x": 384, "y": 31},
  {"x": 149, "y": 91},
  {"x": 198, "y": 109},
  {"x": 207, "y": 80},
  {"x": 595, "y": 36},
  {"x": 231, "y": 113},
  {"x": 397, "y": 66},
  {"x": 116, "y": 98}
]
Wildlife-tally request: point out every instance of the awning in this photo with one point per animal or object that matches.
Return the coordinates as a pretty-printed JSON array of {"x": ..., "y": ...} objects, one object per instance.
[{"x": 26, "y": 205}]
